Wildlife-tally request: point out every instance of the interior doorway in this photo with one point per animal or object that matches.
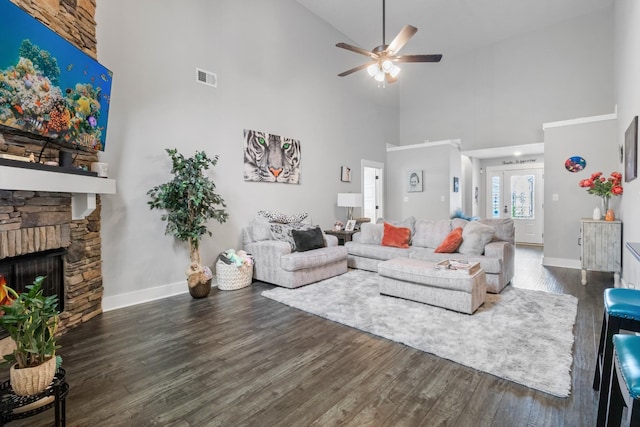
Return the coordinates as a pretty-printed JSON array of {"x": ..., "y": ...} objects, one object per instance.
[
  {"x": 517, "y": 191},
  {"x": 372, "y": 190}
]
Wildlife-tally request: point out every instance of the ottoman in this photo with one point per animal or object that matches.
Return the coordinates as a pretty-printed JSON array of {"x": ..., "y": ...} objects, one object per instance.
[{"x": 419, "y": 281}]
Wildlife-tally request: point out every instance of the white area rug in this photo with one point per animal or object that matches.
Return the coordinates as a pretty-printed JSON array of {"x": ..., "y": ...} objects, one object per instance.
[{"x": 521, "y": 335}]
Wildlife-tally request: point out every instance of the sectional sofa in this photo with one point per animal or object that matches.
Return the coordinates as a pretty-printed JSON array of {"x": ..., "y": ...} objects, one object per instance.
[{"x": 488, "y": 241}]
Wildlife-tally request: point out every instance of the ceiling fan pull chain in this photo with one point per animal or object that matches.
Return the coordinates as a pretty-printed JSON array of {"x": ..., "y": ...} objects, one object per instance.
[{"x": 384, "y": 42}]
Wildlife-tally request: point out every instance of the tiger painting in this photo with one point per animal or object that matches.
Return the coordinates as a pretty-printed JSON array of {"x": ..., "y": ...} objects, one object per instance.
[{"x": 271, "y": 158}]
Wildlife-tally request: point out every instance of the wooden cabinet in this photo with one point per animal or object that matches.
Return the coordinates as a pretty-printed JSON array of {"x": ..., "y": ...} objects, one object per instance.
[{"x": 600, "y": 247}]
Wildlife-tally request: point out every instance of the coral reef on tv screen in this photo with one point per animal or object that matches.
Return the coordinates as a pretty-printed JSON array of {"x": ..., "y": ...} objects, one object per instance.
[{"x": 49, "y": 87}]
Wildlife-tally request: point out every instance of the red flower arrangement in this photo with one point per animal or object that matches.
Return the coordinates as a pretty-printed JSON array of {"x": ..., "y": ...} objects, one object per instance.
[{"x": 603, "y": 187}]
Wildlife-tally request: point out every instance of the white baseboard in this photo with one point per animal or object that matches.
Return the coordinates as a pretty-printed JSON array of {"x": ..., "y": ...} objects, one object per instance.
[
  {"x": 561, "y": 262},
  {"x": 143, "y": 295}
]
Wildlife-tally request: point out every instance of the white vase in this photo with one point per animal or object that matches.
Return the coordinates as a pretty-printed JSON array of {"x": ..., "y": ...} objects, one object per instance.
[{"x": 596, "y": 213}]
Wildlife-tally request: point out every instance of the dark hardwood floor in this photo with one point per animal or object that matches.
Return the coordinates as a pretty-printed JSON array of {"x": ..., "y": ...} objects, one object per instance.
[{"x": 238, "y": 359}]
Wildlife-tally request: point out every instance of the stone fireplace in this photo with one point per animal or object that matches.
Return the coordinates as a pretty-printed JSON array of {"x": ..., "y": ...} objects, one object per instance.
[{"x": 39, "y": 211}]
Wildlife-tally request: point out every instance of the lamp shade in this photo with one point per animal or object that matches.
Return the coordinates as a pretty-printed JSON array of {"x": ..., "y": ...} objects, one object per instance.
[{"x": 350, "y": 200}]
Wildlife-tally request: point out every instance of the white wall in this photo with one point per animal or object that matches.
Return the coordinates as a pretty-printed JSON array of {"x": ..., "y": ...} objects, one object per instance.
[
  {"x": 276, "y": 65},
  {"x": 627, "y": 88},
  {"x": 501, "y": 94},
  {"x": 596, "y": 143}
]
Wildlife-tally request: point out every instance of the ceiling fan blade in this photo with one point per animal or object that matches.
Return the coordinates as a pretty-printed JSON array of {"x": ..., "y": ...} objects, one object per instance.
[
  {"x": 401, "y": 39},
  {"x": 354, "y": 69},
  {"x": 417, "y": 58},
  {"x": 357, "y": 50}
]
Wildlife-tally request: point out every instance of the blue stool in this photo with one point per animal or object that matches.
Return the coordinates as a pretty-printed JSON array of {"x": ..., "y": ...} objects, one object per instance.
[
  {"x": 621, "y": 312},
  {"x": 625, "y": 381}
]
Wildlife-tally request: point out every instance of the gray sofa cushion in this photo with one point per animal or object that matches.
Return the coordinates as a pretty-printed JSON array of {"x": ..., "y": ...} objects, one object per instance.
[
  {"x": 315, "y": 258},
  {"x": 504, "y": 228},
  {"x": 429, "y": 234},
  {"x": 375, "y": 251},
  {"x": 475, "y": 236}
]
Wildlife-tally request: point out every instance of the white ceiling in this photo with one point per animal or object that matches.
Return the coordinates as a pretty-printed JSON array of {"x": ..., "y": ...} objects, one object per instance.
[{"x": 446, "y": 26}]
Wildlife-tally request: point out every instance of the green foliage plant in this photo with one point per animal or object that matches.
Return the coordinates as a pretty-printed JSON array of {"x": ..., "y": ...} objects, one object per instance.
[
  {"x": 31, "y": 321},
  {"x": 189, "y": 200}
]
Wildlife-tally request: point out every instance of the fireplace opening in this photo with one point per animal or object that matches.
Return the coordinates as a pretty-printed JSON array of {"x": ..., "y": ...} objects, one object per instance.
[{"x": 21, "y": 271}]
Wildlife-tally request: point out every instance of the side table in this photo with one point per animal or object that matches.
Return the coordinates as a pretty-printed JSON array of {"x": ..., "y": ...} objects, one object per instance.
[
  {"x": 342, "y": 235},
  {"x": 14, "y": 407}
]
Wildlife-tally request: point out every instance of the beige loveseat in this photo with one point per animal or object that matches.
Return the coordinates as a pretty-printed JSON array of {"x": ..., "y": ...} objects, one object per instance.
[{"x": 488, "y": 241}]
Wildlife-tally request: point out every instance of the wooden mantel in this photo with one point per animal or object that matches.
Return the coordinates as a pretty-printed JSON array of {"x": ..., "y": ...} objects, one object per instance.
[{"x": 83, "y": 188}]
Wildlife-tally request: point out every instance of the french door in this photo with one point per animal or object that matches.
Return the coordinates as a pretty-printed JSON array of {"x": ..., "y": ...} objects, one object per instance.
[{"x": 518, "y": 194}]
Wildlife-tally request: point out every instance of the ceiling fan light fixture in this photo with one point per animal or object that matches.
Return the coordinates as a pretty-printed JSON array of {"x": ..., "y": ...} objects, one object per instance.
[
  {"x": 387, "y": 66},
  {"x": 379, "y": 76},
  {"x": 372, "y": 69},
  {"x": 395, "y": 70}
]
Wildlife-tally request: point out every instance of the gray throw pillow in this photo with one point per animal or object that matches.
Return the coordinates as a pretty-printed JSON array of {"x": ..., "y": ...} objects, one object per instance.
[
  {"x": 261, "y": 229},
  {"x": 504, "y": 227},
  {"x": 429, "y": 234},
  {"x": 371, "y": 233},
  {"x": 475, "y": 237},
  {"x": 307, "y": 240}
]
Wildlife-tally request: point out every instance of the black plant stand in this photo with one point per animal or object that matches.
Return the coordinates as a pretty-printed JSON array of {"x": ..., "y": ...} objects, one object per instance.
[{"x": 14, "y": 407}]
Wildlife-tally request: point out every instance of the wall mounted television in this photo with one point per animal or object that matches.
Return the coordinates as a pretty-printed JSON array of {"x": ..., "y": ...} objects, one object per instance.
[{"x": 49, "y": 87}]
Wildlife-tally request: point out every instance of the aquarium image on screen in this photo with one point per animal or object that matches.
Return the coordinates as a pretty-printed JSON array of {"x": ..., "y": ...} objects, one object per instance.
[{"x": 48, "y": 86}]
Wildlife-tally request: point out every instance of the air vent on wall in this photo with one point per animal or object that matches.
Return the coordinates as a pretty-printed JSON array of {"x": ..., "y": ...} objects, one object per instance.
[{"x": 206, "y": 77}]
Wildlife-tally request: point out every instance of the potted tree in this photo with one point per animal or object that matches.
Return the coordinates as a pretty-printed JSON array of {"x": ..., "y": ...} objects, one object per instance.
[
  {"x": 31, "y": 319},
  {"x": 190, "y": 201}
]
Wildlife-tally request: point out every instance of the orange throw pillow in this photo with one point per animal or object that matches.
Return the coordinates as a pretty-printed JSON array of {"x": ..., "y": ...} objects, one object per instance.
[
  {"x": 397, "y": 237},
  {"x": 451, "y": 243}
]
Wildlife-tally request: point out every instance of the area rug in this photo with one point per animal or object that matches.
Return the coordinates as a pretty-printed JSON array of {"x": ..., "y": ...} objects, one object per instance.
[{"x": 521, "y": 335}]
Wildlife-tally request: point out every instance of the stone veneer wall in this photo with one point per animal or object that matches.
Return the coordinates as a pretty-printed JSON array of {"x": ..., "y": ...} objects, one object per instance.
[{"x": 32, "y": 221}]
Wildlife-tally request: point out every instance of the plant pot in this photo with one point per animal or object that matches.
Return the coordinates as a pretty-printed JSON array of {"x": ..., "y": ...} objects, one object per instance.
[
  {"x": 201, "y": 290},
  {"x": 29, "y": 381}
]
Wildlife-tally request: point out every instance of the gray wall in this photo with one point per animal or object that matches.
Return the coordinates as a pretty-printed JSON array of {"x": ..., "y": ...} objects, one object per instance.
[
  {"x": 501, "y": 94},
  {"x": 627, "y": 87},
  {"x": 595, "y": 142},
  {"x": 276, "y": 65},
  {"x": 434, "y": 201}
]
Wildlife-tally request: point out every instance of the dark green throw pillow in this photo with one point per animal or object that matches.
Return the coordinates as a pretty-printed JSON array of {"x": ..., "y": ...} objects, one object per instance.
[{"x": 307, "y": 240}]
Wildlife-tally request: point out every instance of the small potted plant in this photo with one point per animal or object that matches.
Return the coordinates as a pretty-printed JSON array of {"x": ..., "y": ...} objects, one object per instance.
[
  {"x": 31, "y": 319},
  {"x": 190, "y": 201}
]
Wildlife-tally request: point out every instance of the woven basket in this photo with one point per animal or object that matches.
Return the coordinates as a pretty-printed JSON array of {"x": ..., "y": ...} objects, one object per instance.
[{"x": 231, "y": 277}]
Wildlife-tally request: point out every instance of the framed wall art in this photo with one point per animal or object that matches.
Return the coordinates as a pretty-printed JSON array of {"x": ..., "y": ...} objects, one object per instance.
[
  {"x": 414, "y": 181},
  {"x": 345, "y": 174},
  {"x": 271, "y": 158}
]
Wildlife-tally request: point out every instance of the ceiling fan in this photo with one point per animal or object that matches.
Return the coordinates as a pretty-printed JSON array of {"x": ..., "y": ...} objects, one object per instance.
[{"x": 382, "y": 67}]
